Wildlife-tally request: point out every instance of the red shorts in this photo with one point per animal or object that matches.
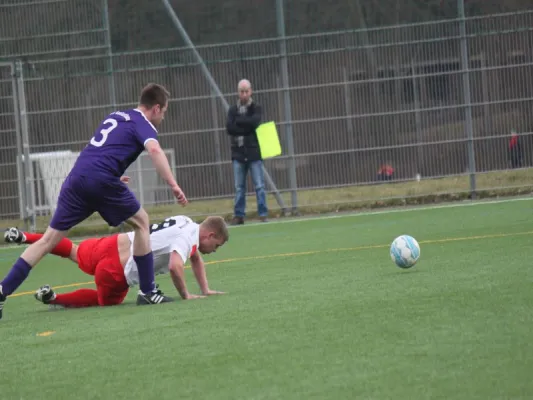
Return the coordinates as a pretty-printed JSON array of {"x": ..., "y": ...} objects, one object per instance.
[{"x": 100, "y": 257}]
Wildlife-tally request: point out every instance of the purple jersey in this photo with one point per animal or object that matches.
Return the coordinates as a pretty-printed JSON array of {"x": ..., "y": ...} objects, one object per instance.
[{"x": 117, "y": 143}]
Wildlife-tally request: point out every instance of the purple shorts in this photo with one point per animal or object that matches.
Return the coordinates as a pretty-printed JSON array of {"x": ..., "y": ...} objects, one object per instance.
[{"x": 81, "y": 196}]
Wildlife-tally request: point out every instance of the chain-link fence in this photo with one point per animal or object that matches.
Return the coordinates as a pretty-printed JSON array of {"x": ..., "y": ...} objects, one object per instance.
[{"x": 426, "y": 100}]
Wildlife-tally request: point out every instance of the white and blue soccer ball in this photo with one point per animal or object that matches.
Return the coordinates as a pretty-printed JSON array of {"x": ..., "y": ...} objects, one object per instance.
[{"x": 405, "y": 251}]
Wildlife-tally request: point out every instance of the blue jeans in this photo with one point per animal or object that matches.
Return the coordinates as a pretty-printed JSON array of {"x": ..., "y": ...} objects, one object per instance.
[{"x": 240, "y": 172}]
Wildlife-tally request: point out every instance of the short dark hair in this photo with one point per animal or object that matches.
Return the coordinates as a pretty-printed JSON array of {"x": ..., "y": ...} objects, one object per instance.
[{"x": 153, "y": 94}]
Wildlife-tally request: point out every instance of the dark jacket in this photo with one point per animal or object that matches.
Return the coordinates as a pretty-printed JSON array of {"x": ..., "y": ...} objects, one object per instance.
[{"x": 241, "y": 128}]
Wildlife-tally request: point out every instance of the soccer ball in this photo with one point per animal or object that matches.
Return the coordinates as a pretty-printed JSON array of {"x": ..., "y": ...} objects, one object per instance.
[{"x": 405, "y": 251}]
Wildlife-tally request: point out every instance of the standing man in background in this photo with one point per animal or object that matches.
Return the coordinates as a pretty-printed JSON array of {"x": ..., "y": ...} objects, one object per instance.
[{"x": 242, "y": 122}]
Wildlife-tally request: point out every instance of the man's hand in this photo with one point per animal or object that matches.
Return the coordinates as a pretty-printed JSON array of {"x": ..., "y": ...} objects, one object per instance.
[
  {"x": 210, "y": 292},
  {"x": 178, "y": 194},
  {"x": 193, "y": 297},
  {"x": 125, "y": 179}
]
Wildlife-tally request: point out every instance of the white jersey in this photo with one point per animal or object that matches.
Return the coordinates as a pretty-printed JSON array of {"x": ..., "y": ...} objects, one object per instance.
[{"x": 180, "y": 234}]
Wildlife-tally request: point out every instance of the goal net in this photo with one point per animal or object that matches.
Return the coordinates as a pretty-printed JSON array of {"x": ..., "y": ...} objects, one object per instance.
[{"x": 49, "y": 170}]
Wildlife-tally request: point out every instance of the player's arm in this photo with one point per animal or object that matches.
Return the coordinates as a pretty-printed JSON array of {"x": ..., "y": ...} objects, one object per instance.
[
  {"x": 160, "y": 161},
  {"x": 177, "y": 273},
  {"x": 147, "y": 136},
  {"x": 65, "y": 248},
  {"x": 198, "y": 267}
]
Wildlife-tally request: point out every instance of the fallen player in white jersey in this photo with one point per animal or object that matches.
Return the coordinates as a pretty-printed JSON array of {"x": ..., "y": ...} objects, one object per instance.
[{"x": 110, "y": 260}]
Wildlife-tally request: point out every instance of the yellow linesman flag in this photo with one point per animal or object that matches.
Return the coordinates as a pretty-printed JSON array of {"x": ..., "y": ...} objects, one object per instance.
[{"x": 268, "y": 138}]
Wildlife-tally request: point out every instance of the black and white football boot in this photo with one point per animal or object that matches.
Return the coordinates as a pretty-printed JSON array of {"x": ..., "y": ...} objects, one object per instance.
[
  {"x": 45, "y": 294},
  {"x": 14, "y": 235},
  {"x": 155, "y": 297}
]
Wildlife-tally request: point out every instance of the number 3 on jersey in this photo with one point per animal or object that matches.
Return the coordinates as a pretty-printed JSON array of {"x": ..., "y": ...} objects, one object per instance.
[{"x": 105, "y": 132}]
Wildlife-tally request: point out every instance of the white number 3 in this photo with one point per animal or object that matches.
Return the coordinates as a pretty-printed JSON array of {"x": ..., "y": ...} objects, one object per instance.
[{"x": 105, "y": 132}]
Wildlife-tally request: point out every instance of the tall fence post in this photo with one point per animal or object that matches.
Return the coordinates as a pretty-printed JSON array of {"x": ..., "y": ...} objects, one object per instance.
[
  {"x": 107, "y": 25},
  {"x": 469, "y": 129},
  {"x": 418, "y": 120},
  {"x": 216, "y": 137},
  {"x": 284, "y": 66},
  {"x": 351, "y": 142},
  {"x": 487, "y": 119},
  {"x": 23, "y": 202},
  {"x": 347, "y": 102},
  {"x": 25, "y": 144}
]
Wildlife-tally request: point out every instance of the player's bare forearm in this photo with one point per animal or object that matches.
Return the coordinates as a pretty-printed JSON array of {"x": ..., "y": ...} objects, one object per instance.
[
  {"x": 162, "y": 167},
  {"x": 177, "y": 274},
  {"x": 159, "y": 159},
  {"x": 198, "y": 267},
  {"x": 178, "y": 278}
]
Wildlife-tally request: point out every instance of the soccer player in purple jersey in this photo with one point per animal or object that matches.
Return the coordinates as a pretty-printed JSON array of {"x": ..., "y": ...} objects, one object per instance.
[{"x": 94, "y": 185}]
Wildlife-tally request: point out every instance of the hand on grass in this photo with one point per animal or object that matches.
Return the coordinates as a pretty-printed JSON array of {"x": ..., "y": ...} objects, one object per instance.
[
  {"x": 193, "y": 297},
  {"x": 212, "y": 292}
]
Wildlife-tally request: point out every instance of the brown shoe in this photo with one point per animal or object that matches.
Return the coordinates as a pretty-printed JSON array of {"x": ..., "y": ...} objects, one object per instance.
[{"x": 237, "y": 221}]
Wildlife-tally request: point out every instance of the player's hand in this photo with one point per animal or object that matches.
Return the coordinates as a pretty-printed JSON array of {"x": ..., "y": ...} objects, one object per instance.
[
  {"x": 210, "y": 292},
  {"x": 125, "y": 179},
  {"x": 193, "y": 297},
  {"x": 178, "y": 194}
]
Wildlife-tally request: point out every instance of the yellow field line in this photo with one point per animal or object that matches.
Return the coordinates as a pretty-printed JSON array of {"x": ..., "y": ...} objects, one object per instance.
[
  {"x": 313, "y": 252},
  {"x": 55, "y": 287},
  {"x": 368, "y": 247}
]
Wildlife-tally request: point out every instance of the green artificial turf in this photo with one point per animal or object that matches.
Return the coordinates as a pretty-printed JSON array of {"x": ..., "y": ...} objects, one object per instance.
[{"x": 315, "y": 309}]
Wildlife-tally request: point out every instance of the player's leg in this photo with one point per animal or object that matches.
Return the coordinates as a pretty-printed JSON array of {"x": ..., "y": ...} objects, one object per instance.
[
  {"x": 72, "y": 208},
  {"x": 37, "y": 250},
  {"x": 258, "y": 179},
  {"x": 121, "y": 205},
  {"x": 143, "y": 257},
  {"x": 240, "y": 170},
  {"x": 142, "y": 249},
  {"x": 76, "y": 299},
  {"x": 28, "y": 259},
  {"x": 111, "y": 283},
  {"x": 91, "y": 254},
  {"x": 65, "y": 248},
  {"x": 110, "y": 290}
]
